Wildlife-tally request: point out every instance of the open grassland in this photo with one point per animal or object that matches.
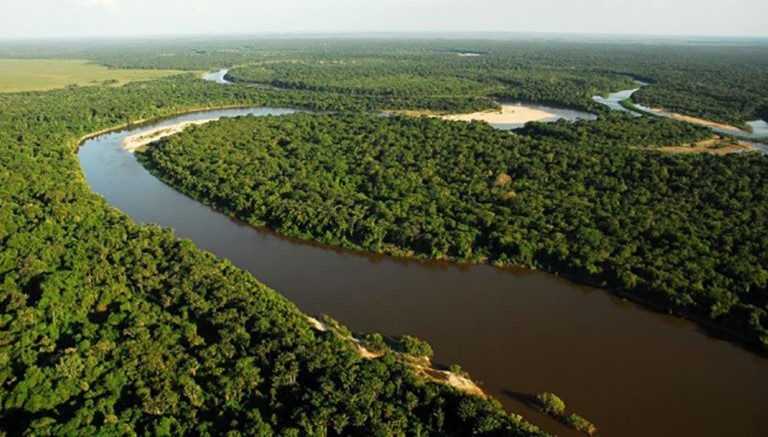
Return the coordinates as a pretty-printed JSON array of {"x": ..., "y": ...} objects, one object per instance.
[{"x": 46, "y": 74}]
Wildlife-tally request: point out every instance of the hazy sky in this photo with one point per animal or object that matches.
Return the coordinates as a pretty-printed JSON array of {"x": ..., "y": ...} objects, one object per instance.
[{"x": 75, "y": 18}]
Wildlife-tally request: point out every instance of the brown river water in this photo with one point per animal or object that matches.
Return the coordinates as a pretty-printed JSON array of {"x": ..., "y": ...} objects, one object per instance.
[{"x": 631, "y": 371}]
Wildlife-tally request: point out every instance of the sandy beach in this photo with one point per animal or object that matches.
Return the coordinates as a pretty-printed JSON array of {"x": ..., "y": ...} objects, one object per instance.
[
  {"x": 691, "y": 119},
  {"x": 508, "y": 114},
  {"x": 702, "y": 122},
  {"x": 422, "y": 364},
  {"x": 135, "y": 142}
]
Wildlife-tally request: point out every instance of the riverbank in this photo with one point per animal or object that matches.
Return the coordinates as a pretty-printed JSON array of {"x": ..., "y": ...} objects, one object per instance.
[
  {"x": 508, "y": 114},
  {"x": 421, "y": 365},
  {"x": 622, "y": 100},
  {"x": 148, "y": 121},
  {"x": 693, "y": 120},
  {"x": 136, "y": 142}
]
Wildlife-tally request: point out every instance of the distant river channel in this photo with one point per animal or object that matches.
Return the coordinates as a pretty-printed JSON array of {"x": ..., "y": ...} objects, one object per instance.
[{"x": 631, "y": 371}]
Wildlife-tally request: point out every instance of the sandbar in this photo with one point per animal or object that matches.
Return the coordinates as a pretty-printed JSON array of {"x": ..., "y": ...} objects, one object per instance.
[
  {"x": 509, "y": 114},
  {"x": 134, "y": 142},
  {"x": 689, "y": 118}
]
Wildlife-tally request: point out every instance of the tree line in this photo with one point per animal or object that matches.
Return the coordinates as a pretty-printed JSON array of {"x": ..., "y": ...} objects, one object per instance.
[{"x": 720, "y": 82}]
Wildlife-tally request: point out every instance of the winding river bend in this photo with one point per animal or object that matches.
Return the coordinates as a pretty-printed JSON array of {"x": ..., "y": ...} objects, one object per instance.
[
  {"x": 759, "y": 127},
  {"x": 632, "y": 371},
  {"x": 613, "y": 101}
]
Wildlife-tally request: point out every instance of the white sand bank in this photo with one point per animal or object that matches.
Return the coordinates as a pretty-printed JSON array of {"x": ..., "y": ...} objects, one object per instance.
[
  {"x": 135, "y": 142},
  {"x": 508, "y": 114}
]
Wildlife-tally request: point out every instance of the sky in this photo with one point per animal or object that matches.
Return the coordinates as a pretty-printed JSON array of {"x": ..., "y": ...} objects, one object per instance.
[{"x": 122, "y": 18}]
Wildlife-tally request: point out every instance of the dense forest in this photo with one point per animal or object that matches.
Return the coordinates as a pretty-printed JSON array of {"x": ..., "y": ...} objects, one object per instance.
[
  {"x": 619, "y": 129},
  {"x": 438, "y": 75},
  {"x": 109, "y": 327},
  {"x": 722, "y": 82},
  {"x": 586, "y": 200},
  {"x": 720, "y": 88}
]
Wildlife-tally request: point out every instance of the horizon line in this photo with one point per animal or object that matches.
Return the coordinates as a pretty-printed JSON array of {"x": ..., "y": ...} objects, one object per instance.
[{"x": 382, "y": 34}]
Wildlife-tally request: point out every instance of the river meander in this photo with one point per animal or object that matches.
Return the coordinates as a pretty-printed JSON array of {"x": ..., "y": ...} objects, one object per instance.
[{"x": 632, "y": 371}]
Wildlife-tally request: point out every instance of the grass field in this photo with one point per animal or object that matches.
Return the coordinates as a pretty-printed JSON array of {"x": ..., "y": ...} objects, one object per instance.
[{"x": 45, "y": 74}]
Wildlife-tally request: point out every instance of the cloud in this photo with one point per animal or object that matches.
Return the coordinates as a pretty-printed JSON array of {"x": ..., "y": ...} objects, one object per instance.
[
  {"x": 97, "y": 3},
  {"x": 51, "y": 18}
]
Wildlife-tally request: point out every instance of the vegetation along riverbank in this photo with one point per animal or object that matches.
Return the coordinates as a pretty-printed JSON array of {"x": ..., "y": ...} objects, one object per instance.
[{"x": 566, "y": 197}]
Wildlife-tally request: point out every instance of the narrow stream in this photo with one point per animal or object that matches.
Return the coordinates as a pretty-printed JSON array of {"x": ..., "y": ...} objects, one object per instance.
[{"x": 614, "y": 100}]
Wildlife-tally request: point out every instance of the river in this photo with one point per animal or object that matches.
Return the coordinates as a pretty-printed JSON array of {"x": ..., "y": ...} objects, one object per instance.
[
  {"x": 632, "y": 371},
  {"x": 759, "y": 127},
  {"x": 613, "y": 101},
  {"x": 557, "y": 113},
  {"x": 220, "y": 78}
]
